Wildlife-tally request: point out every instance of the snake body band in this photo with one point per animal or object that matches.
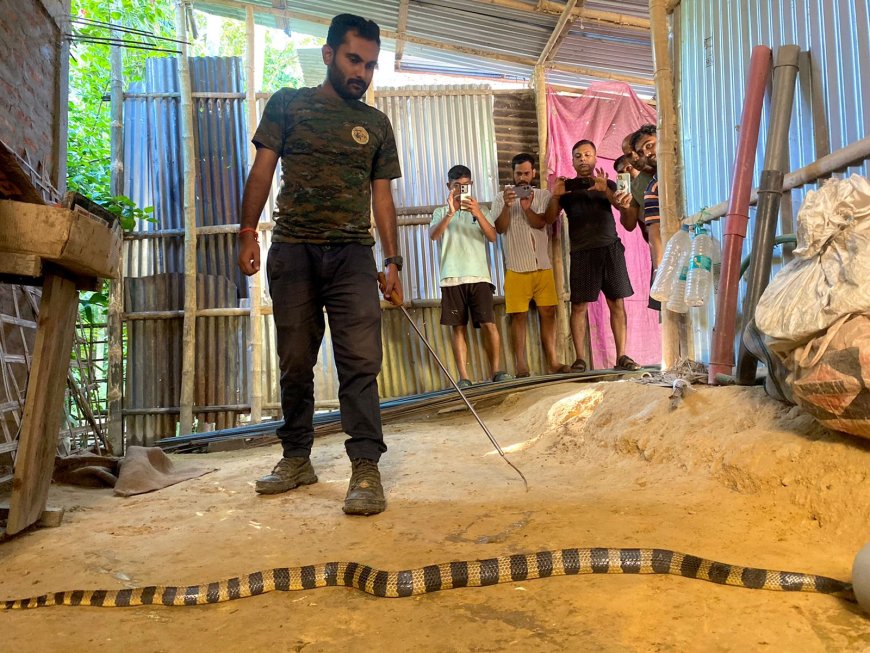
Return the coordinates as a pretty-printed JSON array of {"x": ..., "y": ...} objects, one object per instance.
[{"x": 448, "y": 575}]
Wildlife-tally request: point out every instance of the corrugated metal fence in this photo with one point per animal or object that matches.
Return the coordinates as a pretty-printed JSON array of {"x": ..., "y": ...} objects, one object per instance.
[
  {"x": 716, "y": 38},
  {"x": 435, "y": 129}
]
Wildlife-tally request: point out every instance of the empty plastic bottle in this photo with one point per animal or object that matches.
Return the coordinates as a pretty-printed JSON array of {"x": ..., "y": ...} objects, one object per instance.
[
  {"x": 678, "y": 247},
  {"x": 700, "y": 276},
  {"x": 677, "y": 300}
]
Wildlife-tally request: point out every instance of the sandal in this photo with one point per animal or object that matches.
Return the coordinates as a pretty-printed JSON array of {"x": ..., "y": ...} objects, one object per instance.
[
  {"x": 463, "y": 383},
  {"x": 498, "y": 377},
  {"x": 578, "y": 366},
  {"x": 627, "y": 364}
]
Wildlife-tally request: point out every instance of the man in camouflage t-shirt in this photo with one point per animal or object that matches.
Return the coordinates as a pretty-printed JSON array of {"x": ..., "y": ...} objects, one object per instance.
[{"x": 338, "y": 156}]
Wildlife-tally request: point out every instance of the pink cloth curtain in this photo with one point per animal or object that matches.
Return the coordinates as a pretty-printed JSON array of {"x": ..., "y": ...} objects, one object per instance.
[{"x": 605, "y": 114}]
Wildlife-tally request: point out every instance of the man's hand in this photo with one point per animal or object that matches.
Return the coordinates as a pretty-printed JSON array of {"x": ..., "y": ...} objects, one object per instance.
[
  {"x": 526, "y": 202},
  {"x": 558, "y": 188},
  {"x": 391, "y": 285},
  {"x": 249, "y": 254},
  {"x": 622, "y": 199},
  {"x": 509, "y": 195},
  {"x": 451, "y": 202},
  {"x": 470, "y": 204},
  {"x": 600, "y": 178}
]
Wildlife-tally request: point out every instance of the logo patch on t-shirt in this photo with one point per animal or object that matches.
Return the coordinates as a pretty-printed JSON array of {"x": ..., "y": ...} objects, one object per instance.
[{"x": 360, "y": 135}]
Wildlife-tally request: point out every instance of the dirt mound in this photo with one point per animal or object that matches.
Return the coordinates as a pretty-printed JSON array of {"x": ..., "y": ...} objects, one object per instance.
[{"x": 738, "y": 437}]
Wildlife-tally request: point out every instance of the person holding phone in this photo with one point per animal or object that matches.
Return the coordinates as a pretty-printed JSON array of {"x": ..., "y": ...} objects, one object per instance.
[
  {"x": 597, "y": 255},
  {"x": 464, "y": 228},
  {"x": 522, "y": 222}
]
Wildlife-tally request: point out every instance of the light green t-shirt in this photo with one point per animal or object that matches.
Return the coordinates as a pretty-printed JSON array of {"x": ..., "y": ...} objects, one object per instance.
[{"x": 463, "y": 245}]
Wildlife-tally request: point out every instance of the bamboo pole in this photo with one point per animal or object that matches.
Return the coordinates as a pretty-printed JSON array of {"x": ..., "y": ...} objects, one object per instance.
[
  {"x": 401, "y": 29},
  {"x": 115, "y": 329},
  {"x": 563, "y": 26},
  {"x": 562, "y": 331},
  {"x": 667, "y": 160},
  {"x": 188, "y": 341},
  {"x": 255, "y": 330}
]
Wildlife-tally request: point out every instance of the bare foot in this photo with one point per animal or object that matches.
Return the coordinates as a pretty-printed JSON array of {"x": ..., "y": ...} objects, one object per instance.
[{"x": 559, "y": 368}]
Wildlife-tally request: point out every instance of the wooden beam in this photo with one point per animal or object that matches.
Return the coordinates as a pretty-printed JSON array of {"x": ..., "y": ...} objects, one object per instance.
[
  {"x": 401, "y": 29},
  {"x": 43, "y": 406},
  {"x": 188, "y": 330},
  {"x": 529, "y": 62},
  {"x": 555, "y": 8},
  {"x": 559, "y": 33},
  {"x": 666, "y": 156},
  {"x": 115, "y": 381},
  {"x": 255, "y": 330}
]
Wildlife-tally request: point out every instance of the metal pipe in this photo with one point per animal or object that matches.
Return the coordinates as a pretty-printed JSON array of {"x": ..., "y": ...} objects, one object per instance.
[
  {"x": 785, "y": 73},
  {"x": 394, "y": 298},
  {"x": 722, "y": 354}
]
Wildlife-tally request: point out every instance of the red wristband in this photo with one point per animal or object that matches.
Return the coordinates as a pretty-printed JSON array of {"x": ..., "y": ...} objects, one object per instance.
[{"x": 251, "y": 230}]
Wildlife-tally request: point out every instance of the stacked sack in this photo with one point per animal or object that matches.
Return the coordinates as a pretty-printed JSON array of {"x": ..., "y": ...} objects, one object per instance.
[{"x": 815, "y": 313}]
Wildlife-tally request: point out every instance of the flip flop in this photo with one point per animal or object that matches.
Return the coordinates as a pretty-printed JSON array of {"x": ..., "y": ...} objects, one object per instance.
[
  {"x": 578, "y": 365},
  {"x": 498, "y": 377}
]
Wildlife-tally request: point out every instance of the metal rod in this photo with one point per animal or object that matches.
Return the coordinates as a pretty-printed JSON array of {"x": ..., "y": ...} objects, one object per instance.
[{"x": 443, "y": 367}]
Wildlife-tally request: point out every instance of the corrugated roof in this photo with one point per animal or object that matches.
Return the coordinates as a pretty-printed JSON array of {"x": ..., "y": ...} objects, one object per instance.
[{"x": 480, "y": 39}]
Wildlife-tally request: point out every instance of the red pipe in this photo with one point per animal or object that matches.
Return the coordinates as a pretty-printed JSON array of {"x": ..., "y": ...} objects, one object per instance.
[{"x": 737, "y": 218}]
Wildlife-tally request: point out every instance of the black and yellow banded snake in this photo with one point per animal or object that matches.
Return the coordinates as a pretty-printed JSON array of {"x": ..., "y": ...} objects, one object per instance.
[{"x": 449, "y": 575}]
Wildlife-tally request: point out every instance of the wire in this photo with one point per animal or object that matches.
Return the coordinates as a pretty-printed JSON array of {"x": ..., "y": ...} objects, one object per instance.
[
  {"x": 122, "y": 28},
  {"x": 120, "y": 42}
]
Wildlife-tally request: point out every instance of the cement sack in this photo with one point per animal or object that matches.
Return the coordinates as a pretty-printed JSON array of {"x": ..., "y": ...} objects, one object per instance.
[
  {"x": 829, "y": 377},
  {"x": 828, "y": 277}
]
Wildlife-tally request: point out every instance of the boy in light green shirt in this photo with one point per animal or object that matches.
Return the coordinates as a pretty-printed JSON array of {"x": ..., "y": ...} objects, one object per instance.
[{"x": 463, "y": 228}]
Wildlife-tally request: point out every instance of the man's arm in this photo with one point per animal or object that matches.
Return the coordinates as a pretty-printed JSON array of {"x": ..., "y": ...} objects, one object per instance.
[
  {"x": 385, "y": 219},
  {"x": 503, "y": 219},
  {"x": 437, "y": 230},
  {"x": 631, "y": 216},
  {"x": 554, "y": 207},
  {"x": 256, "y": 192}
]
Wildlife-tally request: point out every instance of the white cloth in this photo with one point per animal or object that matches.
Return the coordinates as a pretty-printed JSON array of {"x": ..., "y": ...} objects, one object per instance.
[{"x": 526, "y": 249}]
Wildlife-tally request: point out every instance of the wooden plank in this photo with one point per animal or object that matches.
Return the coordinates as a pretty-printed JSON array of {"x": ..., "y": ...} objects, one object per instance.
[
  {"x": 78, "y": 242},
  {"x": 25, "y": 265},
  {"x": 43, "y": 406},
  {"x": 50, "y": 517}
]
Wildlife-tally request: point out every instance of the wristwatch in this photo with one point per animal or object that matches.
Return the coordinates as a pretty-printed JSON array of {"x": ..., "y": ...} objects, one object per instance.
[{"x": 395, "y": 260}]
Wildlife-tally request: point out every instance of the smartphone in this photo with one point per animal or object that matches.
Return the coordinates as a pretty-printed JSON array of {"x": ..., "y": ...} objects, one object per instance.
[
  {"x": 523, "y": 191},
  {"x": 578, "y": 183},
  {"x": 464, "y": 192},
  {"x": 623, "y": 182}
]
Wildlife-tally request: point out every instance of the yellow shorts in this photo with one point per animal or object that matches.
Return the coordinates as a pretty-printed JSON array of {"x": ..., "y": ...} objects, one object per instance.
[{"x": 522, "y": 287}]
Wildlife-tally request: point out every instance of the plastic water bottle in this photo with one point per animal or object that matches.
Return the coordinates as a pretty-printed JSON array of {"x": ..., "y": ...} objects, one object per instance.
[
  {"x": 700, "y": 276},
  {"x": 678, "y": 247},
  {"x": 677, "y": 300}
]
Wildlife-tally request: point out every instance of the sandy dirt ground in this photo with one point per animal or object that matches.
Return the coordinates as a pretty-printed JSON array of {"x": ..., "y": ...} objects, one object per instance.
[{"x": 729, "y": 475}]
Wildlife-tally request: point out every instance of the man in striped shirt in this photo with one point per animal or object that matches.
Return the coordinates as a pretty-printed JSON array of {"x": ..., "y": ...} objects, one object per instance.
[{"x": 520, "y": 219}]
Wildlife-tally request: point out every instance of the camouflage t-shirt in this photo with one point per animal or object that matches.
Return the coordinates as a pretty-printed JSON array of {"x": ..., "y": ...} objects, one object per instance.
[{"x": 331, "y": 149}]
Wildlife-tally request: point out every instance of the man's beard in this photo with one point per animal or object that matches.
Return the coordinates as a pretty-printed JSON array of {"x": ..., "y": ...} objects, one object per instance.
[{"x": 340, "y": 83}]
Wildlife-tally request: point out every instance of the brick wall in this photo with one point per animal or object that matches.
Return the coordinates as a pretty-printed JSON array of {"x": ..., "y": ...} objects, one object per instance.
[{"x": 29, "y": 79}]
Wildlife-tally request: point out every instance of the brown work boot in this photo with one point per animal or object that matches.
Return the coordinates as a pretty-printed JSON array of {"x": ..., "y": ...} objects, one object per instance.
[
  {"x": 365, "y": 494},
  {"x": 288, "y": 474}
]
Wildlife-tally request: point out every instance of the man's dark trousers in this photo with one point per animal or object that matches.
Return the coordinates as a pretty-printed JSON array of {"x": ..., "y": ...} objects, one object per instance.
[{"x": 303, "y": 279}]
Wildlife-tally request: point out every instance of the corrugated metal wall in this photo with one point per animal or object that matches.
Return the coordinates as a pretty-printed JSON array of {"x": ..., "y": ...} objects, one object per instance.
[
  {"x": 154, "y": 252},
  {"x": 435, "y": 129},
  {"x": 715, "y": 40}
]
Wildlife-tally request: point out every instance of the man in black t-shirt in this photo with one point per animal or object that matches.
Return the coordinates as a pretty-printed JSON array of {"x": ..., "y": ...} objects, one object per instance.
[{"x": 597, "y": 254}]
